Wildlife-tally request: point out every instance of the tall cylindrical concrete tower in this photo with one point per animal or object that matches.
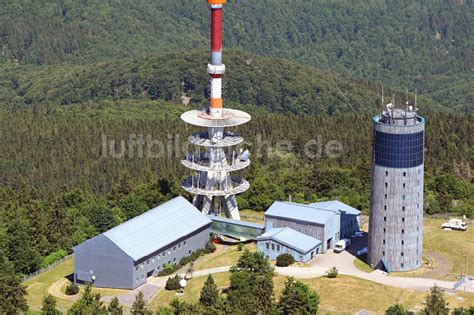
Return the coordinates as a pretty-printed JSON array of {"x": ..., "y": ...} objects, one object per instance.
[
  {"x": 214, "y": 157},
  {"x": 396, "y": 201}
]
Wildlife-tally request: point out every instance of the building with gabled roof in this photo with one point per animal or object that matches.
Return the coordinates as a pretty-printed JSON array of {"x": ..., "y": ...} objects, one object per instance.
[
  {"x": 327, "y": 221},
  {"x": 286, "y": 240},
  {"x": 124, "y": 256},
  {"x": 350, "y": 217}
]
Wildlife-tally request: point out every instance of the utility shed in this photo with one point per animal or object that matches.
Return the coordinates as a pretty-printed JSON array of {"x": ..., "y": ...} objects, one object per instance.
[
  {"x": 350, "y": 217},
  {"x": 321, "y": 224},
  {"x": 286, "y": 240},
  {"x": 124, "y": 256}
]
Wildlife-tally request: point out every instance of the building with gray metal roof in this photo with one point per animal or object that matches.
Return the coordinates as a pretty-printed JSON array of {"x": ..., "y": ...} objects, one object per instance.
[
  {"x": 124, "y": 256},
  {"x": 278, "y": 241},
  {"x": 326, "y": 221},
  {"x": 350, "y": 217}
]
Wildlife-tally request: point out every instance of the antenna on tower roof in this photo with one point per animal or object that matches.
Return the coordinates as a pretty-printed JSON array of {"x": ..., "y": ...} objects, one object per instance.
[
  {"x": 416, "y": 93},
  {"x": 382, "y": 100}
]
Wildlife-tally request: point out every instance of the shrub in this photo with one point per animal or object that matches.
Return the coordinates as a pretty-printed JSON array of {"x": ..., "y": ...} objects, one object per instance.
[
  {"x": 240, "y": 247},
  {"x": 172, "y": 283},
  {"x": 284, "y": 260},
  {"x": 332, "y": 272},
  {"x": 72, "y": 289},
  {"x": 54, "y": 256},
  {"x": 210, "y": 247},
  {"x": 184, "y": 260},
  {"x": 168, "y": 269}
]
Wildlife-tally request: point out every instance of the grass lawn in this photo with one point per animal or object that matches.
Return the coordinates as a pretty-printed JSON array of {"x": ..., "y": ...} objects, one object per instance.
[
  {"x": 252, "y": 216},
  {"x": 345, "y": 294},
  {"x": 455, "y": 245},
  {"x": 224, "y": 256},
  {"x": 361, "y": 264},
  {"x": 192, "y": 291},
  {"x": 38, "y": 287}
]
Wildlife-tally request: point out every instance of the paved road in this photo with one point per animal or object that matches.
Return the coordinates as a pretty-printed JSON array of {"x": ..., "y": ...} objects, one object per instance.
[{"x": 344, "y": 263}]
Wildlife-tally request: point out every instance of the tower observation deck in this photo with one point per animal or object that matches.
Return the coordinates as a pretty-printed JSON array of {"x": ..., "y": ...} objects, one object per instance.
[
  {"x": 214, "y": 157},
  {"x": 396, "y": 200}
]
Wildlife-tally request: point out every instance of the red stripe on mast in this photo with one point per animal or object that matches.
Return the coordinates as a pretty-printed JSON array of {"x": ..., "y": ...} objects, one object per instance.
[{"x": 216, "y": 29}]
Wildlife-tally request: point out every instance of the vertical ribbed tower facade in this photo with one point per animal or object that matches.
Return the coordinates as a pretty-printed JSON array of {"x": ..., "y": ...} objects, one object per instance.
[
  {"x": 214, "y": 157},
  {"x": 396, "y": 201}
]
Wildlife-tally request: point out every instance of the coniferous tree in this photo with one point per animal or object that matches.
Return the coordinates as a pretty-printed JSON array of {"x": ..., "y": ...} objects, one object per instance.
[
  {"x": 396, "y": 309},
  {"x": 435, "y": 303},
  {"x": 251, "y": 284},
  {"x": 114, "y": 307},
  {"x": 139, "y": 306},
  {"x": 89, "y": 303},
  {"x": 49, "y": 305},
  {"x": 209, "y": 292},
  {"x": 12, "y": 293},
  {"x": 298, "y": 298}
]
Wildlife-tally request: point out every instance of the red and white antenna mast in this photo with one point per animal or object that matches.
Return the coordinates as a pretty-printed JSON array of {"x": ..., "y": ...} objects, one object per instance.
[
  {"x": 216, "y": 68},
  {"x": 212, "y": 185}
]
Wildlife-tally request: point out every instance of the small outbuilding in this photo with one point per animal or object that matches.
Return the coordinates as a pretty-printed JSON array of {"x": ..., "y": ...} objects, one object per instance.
[
  {"x": 286, "y": 240},
  {"x": 124, "y": 256}
]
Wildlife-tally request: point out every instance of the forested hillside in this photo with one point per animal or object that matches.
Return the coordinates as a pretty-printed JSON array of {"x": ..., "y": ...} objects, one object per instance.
[
  {"x": 60, "y": 188},
  {"x": 428, "y": 44},
  {"x": 274, "y": 84},
  {"x": 79, "y": 78}
]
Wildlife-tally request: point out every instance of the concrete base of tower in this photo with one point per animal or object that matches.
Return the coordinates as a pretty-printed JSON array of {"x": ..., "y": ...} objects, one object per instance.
[
  {"x": 230, "y": 207},
  {"x": 386, "y": 264},
  {"x": 213, "y": 205}
]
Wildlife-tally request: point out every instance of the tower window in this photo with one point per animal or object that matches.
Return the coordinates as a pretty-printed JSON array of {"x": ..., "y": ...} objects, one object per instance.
[
  {"x": 385, "y": 207},
  {"x": 403, "y": 219},
  {"x": 403, "y": 208},
  {"x": 384, "y": 242},
  {"x": 403, "y": 231},
  {"x": 404, "y": 173},
  {"x": 385, "y": 196},
  {"x": 404, "y": 185},
  {"x": 403, "y": 242},
  {"x": 402, "y": 264},
  {"x": 384, "y": 230},
  {"x": 386, "y": 184},
  {"x": 403, "y": 197},
  {"x": 386, "y": 173},
  {"x": 384, "y": 219},
  {"x": 418, "y": 206},
  {"x": 383, "y": 253},
  {"x": 402, "y": 254}
]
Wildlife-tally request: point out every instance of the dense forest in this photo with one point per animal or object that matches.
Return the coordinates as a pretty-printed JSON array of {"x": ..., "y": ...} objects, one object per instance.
[
  {"x": 274, "y": 84},
  {"x": 79, "y": 79},
  {"x": 405, "y": 44},
  {"x": 61, "y": 185}
]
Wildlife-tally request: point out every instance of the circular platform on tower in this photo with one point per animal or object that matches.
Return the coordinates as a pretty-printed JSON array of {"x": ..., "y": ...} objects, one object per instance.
[
  {"x": 202, "y": 139},
  {"x": 203, "y": 166},
  {"x": 228, "y": 118},
  {"x": 236, "y": 187}
]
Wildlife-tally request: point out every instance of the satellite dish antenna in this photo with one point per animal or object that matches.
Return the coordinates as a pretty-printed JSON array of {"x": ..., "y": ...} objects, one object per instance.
[{"x": 183, "y": 283}]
